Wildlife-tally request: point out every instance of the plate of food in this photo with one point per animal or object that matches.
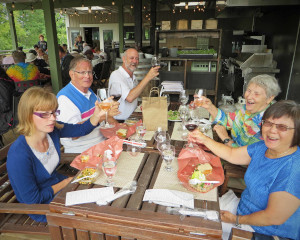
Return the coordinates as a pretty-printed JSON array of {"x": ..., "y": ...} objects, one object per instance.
[
  {"x": 87, "y": 176},
  {"x": 200, "y": 178},
  {"x": 174, "y": 116}
]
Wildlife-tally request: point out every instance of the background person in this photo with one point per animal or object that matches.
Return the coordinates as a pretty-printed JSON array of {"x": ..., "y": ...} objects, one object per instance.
[
  {"x": 79, "y": 43},
  {"x": 22, "y": 71},
  {"x": 244, "y": 124},
  {"x": 65, "y": 60},
  {"x": 124, "y": 78},
  {"x": 270, "y": 203},
  {"x": 42, "y": 43},
  {"x": 34, "y": 156},
  {"x": 76, "y": 104}
]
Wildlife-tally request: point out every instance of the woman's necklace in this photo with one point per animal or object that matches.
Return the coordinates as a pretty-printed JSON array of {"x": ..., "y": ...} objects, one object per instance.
[{"x": 280, "y": 154}]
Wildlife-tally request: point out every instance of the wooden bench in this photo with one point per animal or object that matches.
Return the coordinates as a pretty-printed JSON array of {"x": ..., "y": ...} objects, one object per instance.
[{"x": 13, "y": 215}]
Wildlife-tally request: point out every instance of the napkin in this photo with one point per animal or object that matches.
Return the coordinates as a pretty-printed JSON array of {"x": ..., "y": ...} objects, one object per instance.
[
  {"x": 171, "y": 198},
  {"x": 88, "y": 195}
]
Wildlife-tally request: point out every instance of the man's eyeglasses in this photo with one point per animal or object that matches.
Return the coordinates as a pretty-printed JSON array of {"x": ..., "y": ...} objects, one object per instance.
[
  {"x": 83, "y": 73},
  {"x": 47, "y": 114},
  {"x": 279, "y": 127}
]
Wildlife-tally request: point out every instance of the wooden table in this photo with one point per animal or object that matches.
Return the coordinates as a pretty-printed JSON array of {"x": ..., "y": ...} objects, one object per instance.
[{"x": 129, "y": 217}]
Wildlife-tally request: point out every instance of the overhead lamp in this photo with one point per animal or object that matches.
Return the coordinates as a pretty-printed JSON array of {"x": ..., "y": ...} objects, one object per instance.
[
  {"x": 131, "y": 6},
  {"x": 186, "y": 6},
  {"x": 13, "y": 5},
  {"x": 32, "y": 8},
  {"x": 10, "y": 13},
  {"x": 61, "y": 11},
  {"x": 173, "y": 10},
  {"x": 97, "y": 12},
  {"x": 23, "y": 14},
  {"x": 95, "y": 16},
  {"x": 144, "y": 7},
  {"x": 113, "y": 3},
  {"x": 180, "y": 10},
  {"x": 194, "y": 9},
  {"x": 82, "y": 5},
  {"x": 65, "y": 11},
  {"x": 90, "y": 9}
]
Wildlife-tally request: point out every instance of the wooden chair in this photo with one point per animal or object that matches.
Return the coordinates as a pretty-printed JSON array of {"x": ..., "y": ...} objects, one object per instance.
[
  {"x": 13, "y": 215},
  {"x": 232, "y": 171}
]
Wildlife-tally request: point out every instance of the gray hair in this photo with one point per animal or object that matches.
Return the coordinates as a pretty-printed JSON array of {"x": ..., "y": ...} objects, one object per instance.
[
  {"x": 268, "y": 83},
  {"x": 76, "y": 60}
]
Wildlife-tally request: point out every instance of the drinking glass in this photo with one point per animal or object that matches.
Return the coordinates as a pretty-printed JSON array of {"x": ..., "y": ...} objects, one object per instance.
[
  {"x": 140, "y": 130},
  {"x": 115, "y": 90},
  {"x": 184, "y": 115},
  {"x": 191, "y": 124},
  {"x": 183, "y": 97},
  {"x": 104, "y": 104},
  {"x": 162, "y": 136},
  {"x": 155, "y": 61},
  {"x": 168, "y": 155},
  {"x": 109, "y": 168},
  {"x": 161, "y": 146},
  {"x": 199, "y": 92}
]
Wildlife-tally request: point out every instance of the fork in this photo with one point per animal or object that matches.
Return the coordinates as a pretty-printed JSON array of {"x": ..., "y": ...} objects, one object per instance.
[{"x": 79, "y": 179}]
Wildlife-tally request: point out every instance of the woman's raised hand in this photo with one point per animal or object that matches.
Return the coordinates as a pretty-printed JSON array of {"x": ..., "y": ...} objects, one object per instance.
[{"x": 197, "y": 136}]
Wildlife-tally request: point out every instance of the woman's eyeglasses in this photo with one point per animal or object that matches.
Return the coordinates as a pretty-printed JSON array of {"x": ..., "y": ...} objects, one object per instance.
[
  {"x": 47, "y": 114},
  {"x": 279, "y": 127}
]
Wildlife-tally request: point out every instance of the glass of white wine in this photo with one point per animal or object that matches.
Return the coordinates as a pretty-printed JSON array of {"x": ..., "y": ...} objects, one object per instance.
[{"x": 104, "y": 103}]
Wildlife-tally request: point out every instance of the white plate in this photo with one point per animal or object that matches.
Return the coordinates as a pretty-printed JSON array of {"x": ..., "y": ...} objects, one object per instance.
[{"x": 177, "y": 120}]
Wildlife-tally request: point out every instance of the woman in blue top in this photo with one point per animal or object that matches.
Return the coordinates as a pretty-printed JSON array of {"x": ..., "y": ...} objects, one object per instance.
[
  {"x": 270, "y": 203},
  {"x": 34, "y": 156}
]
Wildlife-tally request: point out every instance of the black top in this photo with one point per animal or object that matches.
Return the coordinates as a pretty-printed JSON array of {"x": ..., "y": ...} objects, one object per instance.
[
  {"x": 42, "y": 45},
  {"x": 65, "y": 67}
]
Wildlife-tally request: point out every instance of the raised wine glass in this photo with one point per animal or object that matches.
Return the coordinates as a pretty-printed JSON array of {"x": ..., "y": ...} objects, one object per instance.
[
  {"x": 191, "y": 124},
  {"x": 199, "y": 92},
  {"x": 109, "y": 168},
  {"x": 104, "y": 104},
  {"x": 155, "y": 61}
]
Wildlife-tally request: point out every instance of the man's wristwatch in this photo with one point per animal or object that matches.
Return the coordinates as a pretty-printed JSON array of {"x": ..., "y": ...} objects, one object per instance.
[
  {"x": 226, "y": 140},
  {"x": 237, "y": 222}
]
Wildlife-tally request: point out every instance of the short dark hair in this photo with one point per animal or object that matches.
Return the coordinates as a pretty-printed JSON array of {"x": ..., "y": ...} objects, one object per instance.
[
  {"x": 32, "y": 51},
  {"x": 60, "y": 49},
  {"x": 35, "y": 46},
  {"x": 287, "y": 108}
]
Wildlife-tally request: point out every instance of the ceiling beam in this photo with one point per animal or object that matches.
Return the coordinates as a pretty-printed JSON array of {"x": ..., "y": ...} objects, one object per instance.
[
  {"x": 252, "y": 3},
  {"x": 65, "y": 4}
]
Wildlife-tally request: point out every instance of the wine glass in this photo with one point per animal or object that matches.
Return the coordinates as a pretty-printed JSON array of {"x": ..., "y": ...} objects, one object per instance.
[
  {"x": 104, "y": 104},
  {"x": 140, "y": 130},
  {"x": 184, "y": 115},
  {"x": 115, "y": 90},
  {"x": 199, "y": 92},
  {"x": 155, "y": 61},
  {"x": 109, "y": 168},
  {"x": 161, "y": 146},
  {"x": 134, "y": 150},
  {"x": 191, "y": 124},
  {"x": 183, "y": 97},
  {"x": 162, "y": 137},
  {"x": 168, "y": 155}
]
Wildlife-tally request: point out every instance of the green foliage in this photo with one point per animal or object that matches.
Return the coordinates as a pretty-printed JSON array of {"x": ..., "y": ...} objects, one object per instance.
[{"x": 29, "y": 25}]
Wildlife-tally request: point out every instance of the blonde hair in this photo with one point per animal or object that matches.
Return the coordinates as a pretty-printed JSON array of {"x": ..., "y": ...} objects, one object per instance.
[{"x": 34, "y": 99}]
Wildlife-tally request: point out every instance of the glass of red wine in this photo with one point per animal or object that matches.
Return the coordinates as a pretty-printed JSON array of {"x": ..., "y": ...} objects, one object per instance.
[
  {"x": 191, "y": 124},
  {"x": 115, "y": 90}
]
